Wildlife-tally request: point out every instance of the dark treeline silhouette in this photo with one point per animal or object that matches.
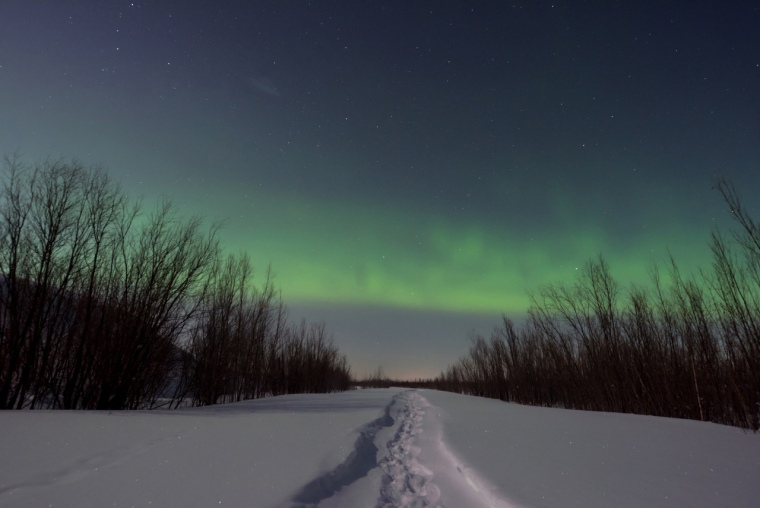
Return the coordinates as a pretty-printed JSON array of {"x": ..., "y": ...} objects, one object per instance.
[
  {"x": 105, "y": 307},
  {"x": 685, "y": 348},
  {"x": 378, "y": 379},
  {"x": 396, "y": 383}
]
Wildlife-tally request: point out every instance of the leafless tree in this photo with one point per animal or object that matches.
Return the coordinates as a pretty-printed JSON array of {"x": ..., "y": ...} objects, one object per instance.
[{"x": 685, "y": 348}]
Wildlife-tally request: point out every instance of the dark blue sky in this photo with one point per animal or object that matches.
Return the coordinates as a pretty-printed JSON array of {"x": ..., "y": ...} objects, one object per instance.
[{"x": 410, "y": 169}]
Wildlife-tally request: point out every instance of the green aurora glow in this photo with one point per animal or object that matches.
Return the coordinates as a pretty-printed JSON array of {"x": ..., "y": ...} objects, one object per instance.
[{"x": 348, "y": 254}]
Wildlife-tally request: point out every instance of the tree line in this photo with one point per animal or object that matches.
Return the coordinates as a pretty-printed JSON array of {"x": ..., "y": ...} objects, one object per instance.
[
  {"x": 684, "y": 347},
  {"x": 105, "y": 306}
]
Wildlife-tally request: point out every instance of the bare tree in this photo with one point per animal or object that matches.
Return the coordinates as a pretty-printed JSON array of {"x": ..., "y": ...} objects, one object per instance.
[
  {"x": 105, "y": 307},
  {"x": 686, "y": 348}
]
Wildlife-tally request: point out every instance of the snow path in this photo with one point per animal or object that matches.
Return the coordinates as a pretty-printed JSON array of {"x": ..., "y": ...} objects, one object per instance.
[
  {"x": 385, "y": 460},
  {"x": 359, "y": 463},
  {"x": 407, "y": 483}
]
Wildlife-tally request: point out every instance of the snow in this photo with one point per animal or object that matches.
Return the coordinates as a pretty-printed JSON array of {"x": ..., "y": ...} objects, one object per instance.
[
  {"x": 548, "y": 457},
  {"x": 368, "y": 448}
]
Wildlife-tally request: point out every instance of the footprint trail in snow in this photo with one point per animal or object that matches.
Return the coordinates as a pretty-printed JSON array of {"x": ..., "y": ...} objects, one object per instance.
[
  {"x": 406, "y": 482},
  {"x": 383, "y": 470},
  {"x": 383, "y": 463}
]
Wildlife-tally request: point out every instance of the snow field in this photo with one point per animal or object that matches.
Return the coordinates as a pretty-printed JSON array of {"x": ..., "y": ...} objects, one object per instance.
[
  {"x": 547, "y": 457},
  {"x": 251, "y": 454},
  {"x": 370, "y": 449}
]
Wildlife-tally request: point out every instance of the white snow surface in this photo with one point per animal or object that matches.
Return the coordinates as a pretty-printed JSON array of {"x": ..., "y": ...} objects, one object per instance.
[{"x": 372, "y": 448}]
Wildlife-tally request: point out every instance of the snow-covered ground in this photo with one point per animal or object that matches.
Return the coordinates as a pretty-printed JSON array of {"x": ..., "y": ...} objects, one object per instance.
[{"x": 370, "y": 448}]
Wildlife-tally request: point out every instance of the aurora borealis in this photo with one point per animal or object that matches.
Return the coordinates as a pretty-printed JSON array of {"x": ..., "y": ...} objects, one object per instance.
[{"x": 410, "y": 169}]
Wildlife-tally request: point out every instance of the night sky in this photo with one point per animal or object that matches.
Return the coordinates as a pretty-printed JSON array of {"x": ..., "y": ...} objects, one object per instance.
[{"x": 410, "y": 169}]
